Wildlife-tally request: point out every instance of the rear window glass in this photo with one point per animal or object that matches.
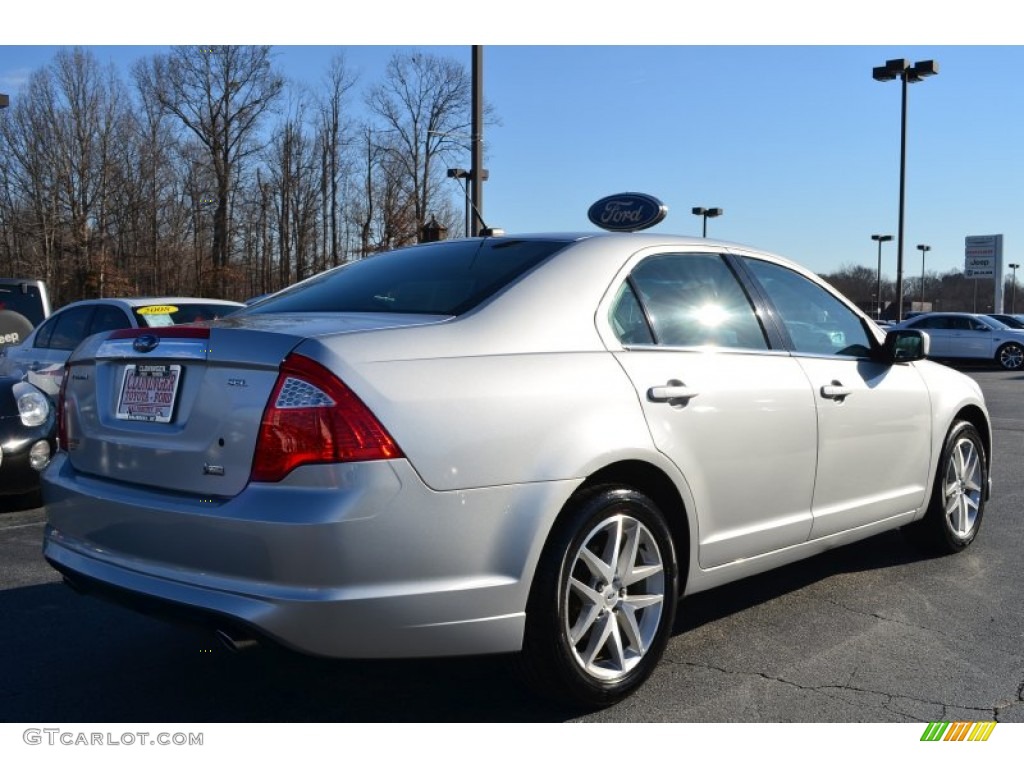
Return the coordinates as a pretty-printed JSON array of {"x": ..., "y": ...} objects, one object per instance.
[
  {"x": 447, "y": 278},
  {"x": 24, "y": 299}
]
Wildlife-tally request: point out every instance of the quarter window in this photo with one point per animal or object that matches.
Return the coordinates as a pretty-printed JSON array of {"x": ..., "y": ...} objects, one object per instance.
[{"x": 108, "y": 318}]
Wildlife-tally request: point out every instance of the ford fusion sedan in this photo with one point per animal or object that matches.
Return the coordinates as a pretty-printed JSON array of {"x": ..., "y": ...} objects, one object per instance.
[
  {"x": 521, "y": 444},
  {"x": 967, "y": 336},
  {"x": 41, "y": 356}
]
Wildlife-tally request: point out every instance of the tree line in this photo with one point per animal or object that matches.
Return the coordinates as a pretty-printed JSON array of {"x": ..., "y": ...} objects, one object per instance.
[
  {"x": 948, "y": 292},
  {"x": 205, "y": 172}
]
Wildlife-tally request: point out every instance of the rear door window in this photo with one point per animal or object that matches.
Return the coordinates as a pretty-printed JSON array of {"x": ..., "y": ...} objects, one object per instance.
[
  {"x": 689, "y": 300},
  {"x": 70, "y": 327}
]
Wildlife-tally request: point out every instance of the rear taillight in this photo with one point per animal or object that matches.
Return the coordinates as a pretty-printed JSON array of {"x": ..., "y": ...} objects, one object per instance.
[{"x": 313, "y": 418}]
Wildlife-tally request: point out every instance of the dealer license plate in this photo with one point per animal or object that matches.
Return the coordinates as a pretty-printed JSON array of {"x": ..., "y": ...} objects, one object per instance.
[{"x": 148, "y": 392}]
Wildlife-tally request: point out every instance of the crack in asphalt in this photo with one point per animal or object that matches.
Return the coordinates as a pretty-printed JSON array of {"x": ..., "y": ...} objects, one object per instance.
[
  {"x": 879, "y": 616},
  {"x": 924, "y": 628},
  {"x": 1010, "y": 705},
  {"x": 889, "y": 699}
]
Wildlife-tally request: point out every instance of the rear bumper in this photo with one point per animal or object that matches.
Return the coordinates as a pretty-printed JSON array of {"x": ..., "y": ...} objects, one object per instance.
[{"x": 356, "y": 561}]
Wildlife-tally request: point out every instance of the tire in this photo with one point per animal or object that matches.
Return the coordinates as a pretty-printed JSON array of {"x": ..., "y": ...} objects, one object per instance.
[
  {"x": 603, "y": 600},
  {"x": 1011, "y": 356},
  {"x": 957, "y": 504}
]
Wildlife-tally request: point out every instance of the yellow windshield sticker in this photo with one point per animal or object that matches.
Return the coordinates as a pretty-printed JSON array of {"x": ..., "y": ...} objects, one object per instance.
[{"x": 158, "y": 309}]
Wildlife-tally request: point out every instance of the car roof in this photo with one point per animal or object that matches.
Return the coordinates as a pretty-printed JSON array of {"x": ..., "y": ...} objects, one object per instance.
[
  {"x": 647, "y": 239},
  {"x": 957, "y": 314}
]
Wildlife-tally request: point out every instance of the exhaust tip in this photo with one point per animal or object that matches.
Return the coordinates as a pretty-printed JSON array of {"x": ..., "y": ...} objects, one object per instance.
[{"x": 234, "y": 642}]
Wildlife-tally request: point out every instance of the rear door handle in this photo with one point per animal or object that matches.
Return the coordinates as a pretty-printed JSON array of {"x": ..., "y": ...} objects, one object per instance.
[
  {"x": 835, "y": 391},
  {"x": 673, "y": 390}
]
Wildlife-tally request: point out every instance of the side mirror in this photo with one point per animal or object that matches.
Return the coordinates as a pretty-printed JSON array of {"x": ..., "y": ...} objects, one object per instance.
[{"x": 905, "y": 346}]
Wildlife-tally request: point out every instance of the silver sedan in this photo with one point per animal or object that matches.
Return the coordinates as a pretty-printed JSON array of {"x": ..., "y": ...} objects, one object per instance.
[{"x": 530, "y": 444}]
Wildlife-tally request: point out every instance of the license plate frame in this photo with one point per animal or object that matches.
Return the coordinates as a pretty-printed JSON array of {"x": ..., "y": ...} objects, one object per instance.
[{"x": 149, "y": 392}]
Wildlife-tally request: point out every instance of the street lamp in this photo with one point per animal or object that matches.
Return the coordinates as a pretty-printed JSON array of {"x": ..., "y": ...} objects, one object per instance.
[
  {"x": 900, "y": 68},
  {"x": 473, "y": 180},
  {"x": 1013, "y": 288},
  {"x": 706, "y": 213},
  {"x": 923, "y": 249},
  {"x": 462, "y": 173},
  {"x": 878, "y": 289}
]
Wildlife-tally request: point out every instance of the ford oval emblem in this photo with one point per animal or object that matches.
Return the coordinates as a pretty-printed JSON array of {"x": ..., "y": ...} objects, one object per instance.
[
  {"x": 627, "y": 212},
  {"x": 145, "y": 343}
]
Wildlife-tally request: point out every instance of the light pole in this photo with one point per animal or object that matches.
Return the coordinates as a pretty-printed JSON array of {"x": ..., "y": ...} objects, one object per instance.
[
  {"x": 706, "y": 213},
  {"x": 476, "y": 154},
  {"x": 900, "y": 68},
  {"x": 923, "y": 249},
  {"x": 878, "y": 288},
  {"x": 1013, "y": 288}
]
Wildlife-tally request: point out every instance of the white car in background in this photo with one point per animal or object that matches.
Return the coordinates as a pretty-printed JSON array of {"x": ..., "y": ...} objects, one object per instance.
[
  {"x": 969, "y": 336},
  {"x": 41, "y": 356}
]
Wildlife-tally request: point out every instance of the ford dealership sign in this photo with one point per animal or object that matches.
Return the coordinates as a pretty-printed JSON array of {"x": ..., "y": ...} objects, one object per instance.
[{"x": 627, "y": 212}]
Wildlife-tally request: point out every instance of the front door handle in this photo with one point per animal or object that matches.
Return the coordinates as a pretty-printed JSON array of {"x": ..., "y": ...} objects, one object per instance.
[
  {"x": 673, "y": 390},
  {"x": 835, "y": 391}
]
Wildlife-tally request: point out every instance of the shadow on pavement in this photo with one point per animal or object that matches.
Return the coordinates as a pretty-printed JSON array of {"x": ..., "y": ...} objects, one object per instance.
[{"x": 70, "y": 659}]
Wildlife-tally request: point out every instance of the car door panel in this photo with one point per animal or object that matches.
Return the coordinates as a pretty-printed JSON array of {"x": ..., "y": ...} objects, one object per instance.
[
  {"x": 874, "y": 419},
  {"x": 735, "y": 417},
  {"x": 873, "y": 443},
  {"x": 753, "y": 493}
]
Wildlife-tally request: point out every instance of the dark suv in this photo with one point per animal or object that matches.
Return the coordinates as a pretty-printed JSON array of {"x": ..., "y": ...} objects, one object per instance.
[{"x": 24, "y": 304}]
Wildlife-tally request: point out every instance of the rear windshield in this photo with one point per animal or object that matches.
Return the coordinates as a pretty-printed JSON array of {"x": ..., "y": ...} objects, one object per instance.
[
  {"x": 24, "y": 299},
  {"x": 448, "y": 278}
]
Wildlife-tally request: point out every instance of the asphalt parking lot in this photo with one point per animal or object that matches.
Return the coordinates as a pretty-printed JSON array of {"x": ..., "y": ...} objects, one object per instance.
[{"x": 872, "y": 632}]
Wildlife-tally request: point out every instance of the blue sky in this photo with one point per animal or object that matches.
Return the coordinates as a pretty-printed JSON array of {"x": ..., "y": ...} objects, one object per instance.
[{"x": 793, "y": 139}]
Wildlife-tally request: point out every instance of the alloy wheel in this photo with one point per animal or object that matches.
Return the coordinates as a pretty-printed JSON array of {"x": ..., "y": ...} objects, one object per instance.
[
  {"x": 962, "y": 488},
  {"x": 614, "y": 598}
]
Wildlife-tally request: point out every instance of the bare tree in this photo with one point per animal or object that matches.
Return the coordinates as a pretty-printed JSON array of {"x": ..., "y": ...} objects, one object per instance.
[
  {"x": 168, "y": 189},
  {"x": 423, "y": 103},
  {"x": 65, "y": 142},
  {"x": 332, "y": 140},
  {"x": 220, "y": 94},
  {"x": 32, "y": 220}
]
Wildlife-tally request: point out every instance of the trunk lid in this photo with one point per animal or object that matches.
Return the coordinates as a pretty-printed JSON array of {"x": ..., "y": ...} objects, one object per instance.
[{"x": 179, "y": 408}]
